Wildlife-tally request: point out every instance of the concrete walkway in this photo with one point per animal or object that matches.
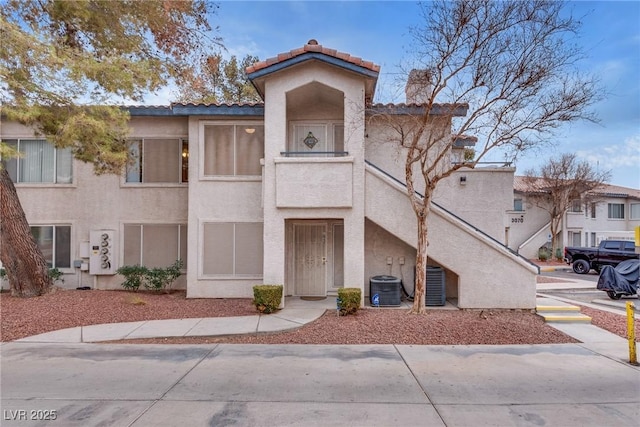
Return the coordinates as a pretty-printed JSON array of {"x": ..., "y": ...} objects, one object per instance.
[{"x": 61, "y": 379}]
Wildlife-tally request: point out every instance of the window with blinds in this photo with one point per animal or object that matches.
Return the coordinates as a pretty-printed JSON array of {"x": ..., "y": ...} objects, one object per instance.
[
  {"x": 157, "y": 160},
  {"x": 233, "y": 149},
  {"x": 155, "y": 245},
  {"x": 39, "y": 162},
  {"x": 232, "y": 249}
]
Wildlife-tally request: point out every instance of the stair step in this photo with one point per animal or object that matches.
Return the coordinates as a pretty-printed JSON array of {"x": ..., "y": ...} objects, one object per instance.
[
  {"x": 557, "y": 308},
  {"x": 565, "y": 317}
]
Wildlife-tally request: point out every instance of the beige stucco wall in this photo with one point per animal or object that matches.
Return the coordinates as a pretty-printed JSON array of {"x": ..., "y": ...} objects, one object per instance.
[
  {"x": 481, "y": 201},
  {"x": 224, "y": 199},
  {"x": 276, "y": 127},
  {"x": 489, "y": 275},
  {"x": 103, "y": 202}
]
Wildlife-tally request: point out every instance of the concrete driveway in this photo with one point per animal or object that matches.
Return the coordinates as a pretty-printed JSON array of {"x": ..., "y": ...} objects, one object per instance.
[{"x": 315, "y": 385}]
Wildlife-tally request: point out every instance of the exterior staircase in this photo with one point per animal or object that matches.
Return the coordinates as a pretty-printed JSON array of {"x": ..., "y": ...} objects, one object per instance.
[{"x": 559, "y": 312}]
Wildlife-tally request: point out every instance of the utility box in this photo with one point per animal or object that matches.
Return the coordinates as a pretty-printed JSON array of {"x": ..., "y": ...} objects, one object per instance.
[
  {"x": 435, "y": 286},
  {"x": 385, "y": 290},
  {"x": 102, "y": 253}
]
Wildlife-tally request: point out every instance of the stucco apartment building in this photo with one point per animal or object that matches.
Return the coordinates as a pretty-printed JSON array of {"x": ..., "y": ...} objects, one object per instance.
[
  {"x": 611, "y": 212},
  {"x": 305, "y": 189}
]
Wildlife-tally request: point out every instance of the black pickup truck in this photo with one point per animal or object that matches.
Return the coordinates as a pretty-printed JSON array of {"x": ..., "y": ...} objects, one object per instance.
[{"x": 609, "y": 252}]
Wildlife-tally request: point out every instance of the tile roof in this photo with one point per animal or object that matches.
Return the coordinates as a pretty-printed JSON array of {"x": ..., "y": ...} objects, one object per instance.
[
  {"x": 313, "y": 46},
  {"x": 523, "y": 185}
]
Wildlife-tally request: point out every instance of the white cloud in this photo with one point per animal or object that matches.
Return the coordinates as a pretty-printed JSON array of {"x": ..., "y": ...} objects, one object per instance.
[{"x": 625, "y": 154}]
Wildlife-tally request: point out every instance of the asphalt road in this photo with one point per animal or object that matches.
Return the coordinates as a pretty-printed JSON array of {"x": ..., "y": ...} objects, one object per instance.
[{"x": 587, "y": 295}]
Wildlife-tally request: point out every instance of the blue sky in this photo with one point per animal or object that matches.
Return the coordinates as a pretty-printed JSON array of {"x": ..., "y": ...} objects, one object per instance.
[{"x": 378, "y": 31}]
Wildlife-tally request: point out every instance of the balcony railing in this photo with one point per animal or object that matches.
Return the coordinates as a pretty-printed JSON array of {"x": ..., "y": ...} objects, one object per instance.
[{"x": 314, "y": 153}]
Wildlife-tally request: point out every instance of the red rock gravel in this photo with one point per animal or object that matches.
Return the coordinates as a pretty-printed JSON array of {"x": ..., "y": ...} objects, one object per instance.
[{"x": 69, "y": 308}]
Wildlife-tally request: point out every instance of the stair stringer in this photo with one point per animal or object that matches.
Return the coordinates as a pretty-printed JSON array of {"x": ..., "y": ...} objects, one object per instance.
[{"x": 489, "y": 274}]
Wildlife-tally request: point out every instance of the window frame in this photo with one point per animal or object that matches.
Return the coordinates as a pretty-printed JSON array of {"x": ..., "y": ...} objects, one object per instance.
[
  {"x": 330, "y": 128},
  {"x": 631, "y": 212},
  {"x": 54, "y": 183},
  {"x": 609, "y": 211},
  {"x": 515, "y": 205},
  {"x": 54, "y": 246},
  {"x": 183, "y": 160},
  {"x": 228, "y": 276},
  {"x": 179, "y": 242},
  {"x": 202, "y": 150}
]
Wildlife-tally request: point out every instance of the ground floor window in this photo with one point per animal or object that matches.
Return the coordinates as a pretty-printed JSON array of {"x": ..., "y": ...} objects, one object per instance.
[
  {"x": 232, "y": 249},
  {"x": 55, "y": 243},
  {"x": 575, "y": 238},
  {"x": 155, "y": 245}
]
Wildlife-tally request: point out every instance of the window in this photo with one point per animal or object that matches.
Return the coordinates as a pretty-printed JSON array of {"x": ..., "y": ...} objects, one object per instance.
[
  {"x": 155, "y": 245},
  {"x": 593, "y": 240},
  {"x": 55, "y": 243},
  {"x": 327, "y": 139},
  {"x": 158, "y": 161},
  {"x": 232, "y": 249},
  {"x": 517, "y": 205},
  {"x": 575, "y": 238},
  {"x": 616, "y": 210},
  {"x": 593, "y": 210},
  {"x": 40, "y": 162},
  {"x": 629, "y": 246},
  {"x": 634, "y": 211},
  {"x": 576, "y": 206},
  {"x": 233, "y": 149}
]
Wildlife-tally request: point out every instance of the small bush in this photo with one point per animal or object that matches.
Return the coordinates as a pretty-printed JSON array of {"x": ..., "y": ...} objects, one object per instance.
[
  {"x": 543, "y": 254},
  {"x": 134, "y": 276},
  {"x": 154, "y": 279},
  {"x": 559, "y": 254},
  {"x": 349, "y": 300},
  {"x": 267, "y": 298}
]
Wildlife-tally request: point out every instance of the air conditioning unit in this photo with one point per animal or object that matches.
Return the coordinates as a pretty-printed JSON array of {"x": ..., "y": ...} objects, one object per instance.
[
  {"x": 435, "y": 286},
  {"x": 102, "y": 253}
]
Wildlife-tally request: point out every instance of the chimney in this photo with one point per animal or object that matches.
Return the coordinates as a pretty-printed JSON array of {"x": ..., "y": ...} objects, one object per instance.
[{"x": 418, "y": 87}]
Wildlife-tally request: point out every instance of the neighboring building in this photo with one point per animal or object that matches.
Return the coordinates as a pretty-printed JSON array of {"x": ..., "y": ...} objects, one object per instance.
[
  {"x": 304, "y": 190},
  {"x": 611, "y": 212}
]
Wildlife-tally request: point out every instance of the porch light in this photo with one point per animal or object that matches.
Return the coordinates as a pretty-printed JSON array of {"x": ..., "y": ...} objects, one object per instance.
[
  {"x": 250, "y": 130},
  {"x": 310, "y": 141}
]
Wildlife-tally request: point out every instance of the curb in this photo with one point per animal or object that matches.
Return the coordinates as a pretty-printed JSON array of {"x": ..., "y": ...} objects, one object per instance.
[{"x": 551, "y": 269}]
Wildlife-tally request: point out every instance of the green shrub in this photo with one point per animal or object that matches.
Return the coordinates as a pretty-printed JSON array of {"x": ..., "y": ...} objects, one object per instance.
[
  {"x": 134, "y": 276},
  {"x": 267, "y": 298},
  {"x": 55, "y": 274},
  {"x": 559, "y": 254},
  {"x": 543, "y": 254},
  {"x": 154, "y": 279},
  {"x": 349, "y": 300}
]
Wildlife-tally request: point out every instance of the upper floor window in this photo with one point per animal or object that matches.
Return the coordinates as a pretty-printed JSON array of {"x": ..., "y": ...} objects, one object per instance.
[
  {"x": 40, "y": 162},
  {"x": 55, "y": 243},
  {"x": 232, "y": 149},
  {"x": 155, "y": 245},
  {"x": 634, "y": 210},
  {"x": 322, "y": 139},
  {"x": 157, "y": 160},
  {"x": 616, "y": 210},
  {"x": 593, "y": 210},
  {"x": 576, "y": 206},
  {"x": 517, "y": 205}
]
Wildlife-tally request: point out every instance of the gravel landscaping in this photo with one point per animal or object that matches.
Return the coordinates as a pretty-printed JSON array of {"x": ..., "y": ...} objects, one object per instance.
[{"x": 69, "y": 308}]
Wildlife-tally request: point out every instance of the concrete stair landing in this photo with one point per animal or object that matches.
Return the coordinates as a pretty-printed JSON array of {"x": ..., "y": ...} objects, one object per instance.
[{"x": 557, "y": 311}]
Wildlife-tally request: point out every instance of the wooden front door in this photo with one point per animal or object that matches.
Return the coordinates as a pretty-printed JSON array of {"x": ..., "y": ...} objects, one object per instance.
[{"x": 310, "y": 259}]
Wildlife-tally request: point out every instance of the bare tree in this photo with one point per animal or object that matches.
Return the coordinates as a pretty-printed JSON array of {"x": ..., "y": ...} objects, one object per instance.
[
  {"x": 561, "y": 182},
  {"x": 508, "y": 65}
]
